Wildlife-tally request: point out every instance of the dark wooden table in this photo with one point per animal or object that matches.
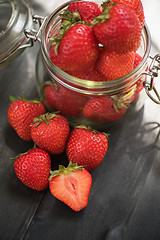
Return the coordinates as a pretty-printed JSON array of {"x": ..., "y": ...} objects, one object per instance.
[{"x": 124, "y": 203}]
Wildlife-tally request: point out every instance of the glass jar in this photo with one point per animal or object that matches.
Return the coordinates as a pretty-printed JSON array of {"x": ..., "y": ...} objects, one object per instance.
[{"x": 97, "y": 104}]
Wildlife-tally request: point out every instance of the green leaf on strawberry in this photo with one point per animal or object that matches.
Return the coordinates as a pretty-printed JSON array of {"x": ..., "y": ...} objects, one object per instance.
[
  {"x": 105, "y": 15},
  {"x": 68, "y": 19},
  {"x": 72, "y": 167}
]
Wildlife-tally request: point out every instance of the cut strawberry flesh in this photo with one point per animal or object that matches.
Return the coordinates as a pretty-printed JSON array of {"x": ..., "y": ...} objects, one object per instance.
[{"x": 72, "y": 189}]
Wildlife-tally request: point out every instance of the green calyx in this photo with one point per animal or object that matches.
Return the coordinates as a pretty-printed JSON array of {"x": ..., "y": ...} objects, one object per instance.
[
  {"x": 68, "y": 19},
  {"x": 21, "y": 154},
  {"x": 72, "y": 167},
  {"x": 123, "y": 100},
  {"x": 107, "y": 5},
  {"x": 13, "y": 99},
  {"x": 44, "y": 118},
  {"x": 49, "y": 83}
]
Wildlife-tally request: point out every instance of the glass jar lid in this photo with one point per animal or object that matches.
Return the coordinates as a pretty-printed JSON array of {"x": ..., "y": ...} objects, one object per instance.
[{"x": 16, "y": 15}]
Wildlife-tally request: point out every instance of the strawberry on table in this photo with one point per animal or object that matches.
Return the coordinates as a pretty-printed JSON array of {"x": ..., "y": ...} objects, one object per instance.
[
  {"x": 77, "y": 50},
  {"x": 33, "y": 168},
  {"x": 50, "y": 132},
  {"x": 118, "y": 28},
  {"x": 113, "y": 65},
  {"x": 71, "y": 185},
  {"x": 87, "y": 10},
  {"x": 21, "y": 113},
  {"x": 86, "y": 147}
]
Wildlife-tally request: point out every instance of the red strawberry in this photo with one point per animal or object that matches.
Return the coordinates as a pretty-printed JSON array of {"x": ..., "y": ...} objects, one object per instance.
[
  {"x": 50, "y": 132},
  {"x": 107, "y": 109},
  {"x": 50, "y": 95},
  {"x": 86, "y": 147},
  {"x": 113, "y": 65},
  {"x": 139, "y": 83},
  {"x": 87, "y": 10},
  {"x": 92, "y": 74},
  {"x": 77, "y": 51},
  {"x": 118, "y": 28},
  {"x": 95, "y": 109},
  {"x": 32, "y": 168},
  {"x": 137, "y": 60},
  {"x": 71, "y": 185},
  {"x": 21, "y": 113},
  {"x": 64, "y": 100},
  {"x": 116, "y": 108},
  {"x": 136, "y": 6}
]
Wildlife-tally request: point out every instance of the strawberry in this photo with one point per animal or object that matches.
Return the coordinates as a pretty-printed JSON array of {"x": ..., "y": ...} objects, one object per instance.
[
  {"x": 50, "y": 95},
  {"x": 87, "y": 10},
  {"x": 116, "y": 108},
  {"x": 118, "y": 28},
  {"x": 71, "y": 185},
  {"x": 50, "y": 132},
  {"x": 86, "y": 147},
  {"x": 77, "y": 50},
  {"x": 92, "y": 74},
  {"x": 139, "y": 83},
  {"x": 95, "y": 109},
  {"x": 113, "y": 65},
  {"x": 32, "y": 168},
  {"x": 108, "y": 109},
  {"x": 136, "y": 6},
  {"x": 64, "y": 100},
  {"x": 137, "y": 60},
  {"x": 21, "y": 113}
]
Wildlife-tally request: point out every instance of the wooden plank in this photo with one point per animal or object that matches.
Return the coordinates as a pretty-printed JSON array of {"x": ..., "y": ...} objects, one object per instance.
[
  {"x": 18, "y": 203},
  {"x": 118, "y": 184}
]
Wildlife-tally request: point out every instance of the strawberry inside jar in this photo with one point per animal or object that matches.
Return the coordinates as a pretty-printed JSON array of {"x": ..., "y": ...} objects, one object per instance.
[{"x": 91, "y": 64}]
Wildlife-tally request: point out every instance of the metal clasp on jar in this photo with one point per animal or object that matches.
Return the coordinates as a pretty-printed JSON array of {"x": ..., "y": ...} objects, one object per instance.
[
  {"x": 32, "y": 34},
  {"x": 152, "y": 73}
]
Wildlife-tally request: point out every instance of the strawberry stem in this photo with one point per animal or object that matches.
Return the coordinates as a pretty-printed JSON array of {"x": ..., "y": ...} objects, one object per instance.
[
  {"x": 72, "y": 167},
  {"x": 44, "y": 118},
  {"x": 107, "y": 5},
  {"x": 13, "y": 99},
  {"x": 68, "y": 19}
]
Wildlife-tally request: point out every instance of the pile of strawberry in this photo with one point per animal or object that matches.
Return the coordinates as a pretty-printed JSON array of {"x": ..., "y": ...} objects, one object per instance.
[
  {"x": 98, "y": 43},
  {"x": 85, "y": 149}
]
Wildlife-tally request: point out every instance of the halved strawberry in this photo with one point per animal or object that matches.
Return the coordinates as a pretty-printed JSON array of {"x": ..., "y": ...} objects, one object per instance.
[{"x": 71, "y": 185}]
